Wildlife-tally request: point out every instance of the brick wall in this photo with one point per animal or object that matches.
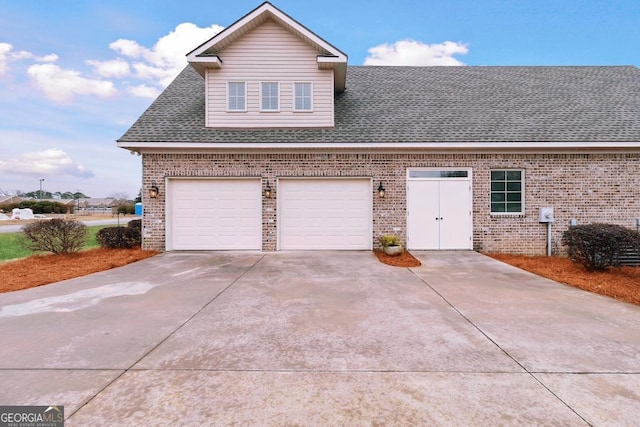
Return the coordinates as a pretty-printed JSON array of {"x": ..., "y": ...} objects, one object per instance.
[{"x": 585, "y": 187}]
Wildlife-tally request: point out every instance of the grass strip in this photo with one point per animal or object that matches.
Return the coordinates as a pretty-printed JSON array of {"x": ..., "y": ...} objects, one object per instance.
[{"x": 10, "y": 247}]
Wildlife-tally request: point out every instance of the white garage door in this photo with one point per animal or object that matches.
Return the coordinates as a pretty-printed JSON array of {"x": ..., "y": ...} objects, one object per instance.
[
  {"x": 214, "y": 214},
  {"x": 324, "y": 214}
]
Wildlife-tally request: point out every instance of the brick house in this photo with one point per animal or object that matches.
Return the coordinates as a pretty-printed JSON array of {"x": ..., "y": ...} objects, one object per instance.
[{"x": 268, "y": 141}]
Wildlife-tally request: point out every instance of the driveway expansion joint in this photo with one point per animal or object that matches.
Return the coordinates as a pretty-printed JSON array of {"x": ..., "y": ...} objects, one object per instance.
[
  {"x": 467, "y": 319},
  {"x": 234, "y": 281}
]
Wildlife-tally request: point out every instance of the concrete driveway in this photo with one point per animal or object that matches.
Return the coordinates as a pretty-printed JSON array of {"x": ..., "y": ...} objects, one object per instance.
[{"x": 320, "y": 338}]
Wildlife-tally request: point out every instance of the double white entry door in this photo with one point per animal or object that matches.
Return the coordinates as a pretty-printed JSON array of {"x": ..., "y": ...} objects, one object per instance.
[{"x": 439, "y": 213}]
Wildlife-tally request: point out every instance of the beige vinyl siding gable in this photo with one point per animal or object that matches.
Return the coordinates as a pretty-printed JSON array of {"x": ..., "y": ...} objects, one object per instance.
[{"x": 269, "y": 54}]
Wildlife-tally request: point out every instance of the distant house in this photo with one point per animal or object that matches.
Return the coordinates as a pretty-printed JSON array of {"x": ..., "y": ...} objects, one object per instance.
[
  {"x": 94, "y": 204},
  {"x": 269, "y": 141}
]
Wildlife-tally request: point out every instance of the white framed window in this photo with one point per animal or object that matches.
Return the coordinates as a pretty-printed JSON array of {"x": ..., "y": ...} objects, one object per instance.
[
  {"x": 507, "y": 191},
  {"x": 302, "y": 96},
  {"x": 236, "y": 96},
  {"x": 269, "y": 96}
]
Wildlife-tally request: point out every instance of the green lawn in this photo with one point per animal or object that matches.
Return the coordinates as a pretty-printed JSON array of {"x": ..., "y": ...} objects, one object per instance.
[{"x": 10, "y": 247}]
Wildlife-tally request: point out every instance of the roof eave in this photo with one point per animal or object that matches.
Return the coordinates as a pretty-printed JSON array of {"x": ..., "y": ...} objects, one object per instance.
[
  {"x": 205, "y": 62},
  {"x": 542, "y": 146}
]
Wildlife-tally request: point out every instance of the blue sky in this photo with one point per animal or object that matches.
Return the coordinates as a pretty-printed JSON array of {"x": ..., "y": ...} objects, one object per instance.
[{"x": 74, "y": 75}]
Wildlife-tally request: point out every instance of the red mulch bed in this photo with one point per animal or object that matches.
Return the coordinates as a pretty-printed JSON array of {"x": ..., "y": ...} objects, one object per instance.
[
  {"x": 38, "y": 270},
  {"x": 621, "y": 283},
  {"x": 405, "y": 259}
]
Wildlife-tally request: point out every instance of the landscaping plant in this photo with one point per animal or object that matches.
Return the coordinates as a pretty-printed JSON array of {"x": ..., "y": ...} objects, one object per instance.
[
  {"x": 389, "y": 240},
  {"x": 60, "y": 236},
  {"x": 135, "y": 223},
  {"x": 598, "y": 246},
  {"x": 119, "y": 237}
]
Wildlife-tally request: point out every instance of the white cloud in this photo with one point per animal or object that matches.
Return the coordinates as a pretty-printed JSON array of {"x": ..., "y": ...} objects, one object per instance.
[
  {"x": 52, "y": 161},
  {"x": 144, "y": 91},
  {"x": 61, "y": 85},
  {"x": 112, "y": 68},
  {"x": 5, "y": 48},
  {"x": 128, "y": 48},
  {"x": 8, "y": 55},
  {"x": 147, "y": 70},
  {"x": 150, "y": 72},
  {"x": 415, "y": 53},
  {"x": 161, "y": 63},
  {"x": 52, "y": 57}
]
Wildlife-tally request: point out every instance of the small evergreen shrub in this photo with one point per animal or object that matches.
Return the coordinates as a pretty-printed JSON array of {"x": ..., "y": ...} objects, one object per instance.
[
  {"x": 118, "y": 237},
  {"x": 57, "y": 235},
  {"x": 135, "y": 223},
  {"x": 598, "y": 246}
]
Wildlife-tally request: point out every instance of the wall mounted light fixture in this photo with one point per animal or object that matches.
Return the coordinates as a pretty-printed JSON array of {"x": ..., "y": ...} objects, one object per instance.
[
  {"x": 381, "y": 191},
  {"x": 267, "y": 191},
  {"x": 154, "y": 191}
]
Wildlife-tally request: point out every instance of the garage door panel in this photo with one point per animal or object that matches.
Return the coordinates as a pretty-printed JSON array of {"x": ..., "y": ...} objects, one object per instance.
[
  {"x": 215, "y": 214},
  {"x": 325, "y": 214}
]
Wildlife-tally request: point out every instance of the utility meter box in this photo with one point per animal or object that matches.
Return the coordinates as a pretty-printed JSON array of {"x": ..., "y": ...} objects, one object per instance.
[{"x": 546, "y": 215}]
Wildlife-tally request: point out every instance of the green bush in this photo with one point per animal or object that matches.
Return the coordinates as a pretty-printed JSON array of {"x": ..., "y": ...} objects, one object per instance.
[
  {"x": 135, "y": 223},
  {"x": 389, "y": 240},
  {"x": 126, "y": 209},
  {"x": 38, "y": 206},
  {"x": 118, "y": 237},
  {"x": 598, "y": 246},
  {"x": 59, "y": 236}
]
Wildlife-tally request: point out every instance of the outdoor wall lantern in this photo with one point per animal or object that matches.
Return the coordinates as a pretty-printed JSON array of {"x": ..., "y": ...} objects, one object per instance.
[
  {"x": 381, "y": 190},
  {"x": 154, "y": 191},
  {"x": 267, "y": 191}
]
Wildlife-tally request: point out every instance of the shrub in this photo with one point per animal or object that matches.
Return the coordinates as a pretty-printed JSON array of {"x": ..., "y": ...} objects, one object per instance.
[
  {"x": 59, "y": 236},
  {"x": 135, "y": 223},
  {"x": 118, "y": 237},
  {"x": 125, "y": 209},
  {"x": 389, "y": 240},
  {"x": 598, "y": 246},
  {"x": 37, "y": 206}
]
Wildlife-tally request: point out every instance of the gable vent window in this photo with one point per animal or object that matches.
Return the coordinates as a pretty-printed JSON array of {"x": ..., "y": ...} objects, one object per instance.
[
  {"x": 507, "y": 189},
  {"x": 269, "y": 94},
  {"x": 303, "y": 98},
  {"x": 237, "y": 96}
]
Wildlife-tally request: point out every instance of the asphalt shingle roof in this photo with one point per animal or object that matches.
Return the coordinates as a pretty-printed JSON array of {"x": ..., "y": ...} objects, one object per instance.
[{"x": 433, "y": 104}]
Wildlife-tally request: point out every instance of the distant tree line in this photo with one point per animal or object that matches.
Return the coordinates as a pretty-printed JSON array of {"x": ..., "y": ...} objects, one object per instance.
[
  {"x": 55, "y": 195},
  {"x": 40, "y": 207}
]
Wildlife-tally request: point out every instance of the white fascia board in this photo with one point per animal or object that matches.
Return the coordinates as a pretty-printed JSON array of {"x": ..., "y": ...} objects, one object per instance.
[
  {"x": 339, "y": 67},
  {"x": 227, "y": 32},
  {"x": 304, "y": 32},
  {"x": 436, "y": 146},
  {"x": 212, "y": 61},
  {"x": 333, "y": 60},
  {"x": 202, "y": 63},
  {"x": 278, "y": 15}
]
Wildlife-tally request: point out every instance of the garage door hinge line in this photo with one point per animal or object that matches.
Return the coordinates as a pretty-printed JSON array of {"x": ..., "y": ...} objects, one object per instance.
[{"x": 169, "y": 335}]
